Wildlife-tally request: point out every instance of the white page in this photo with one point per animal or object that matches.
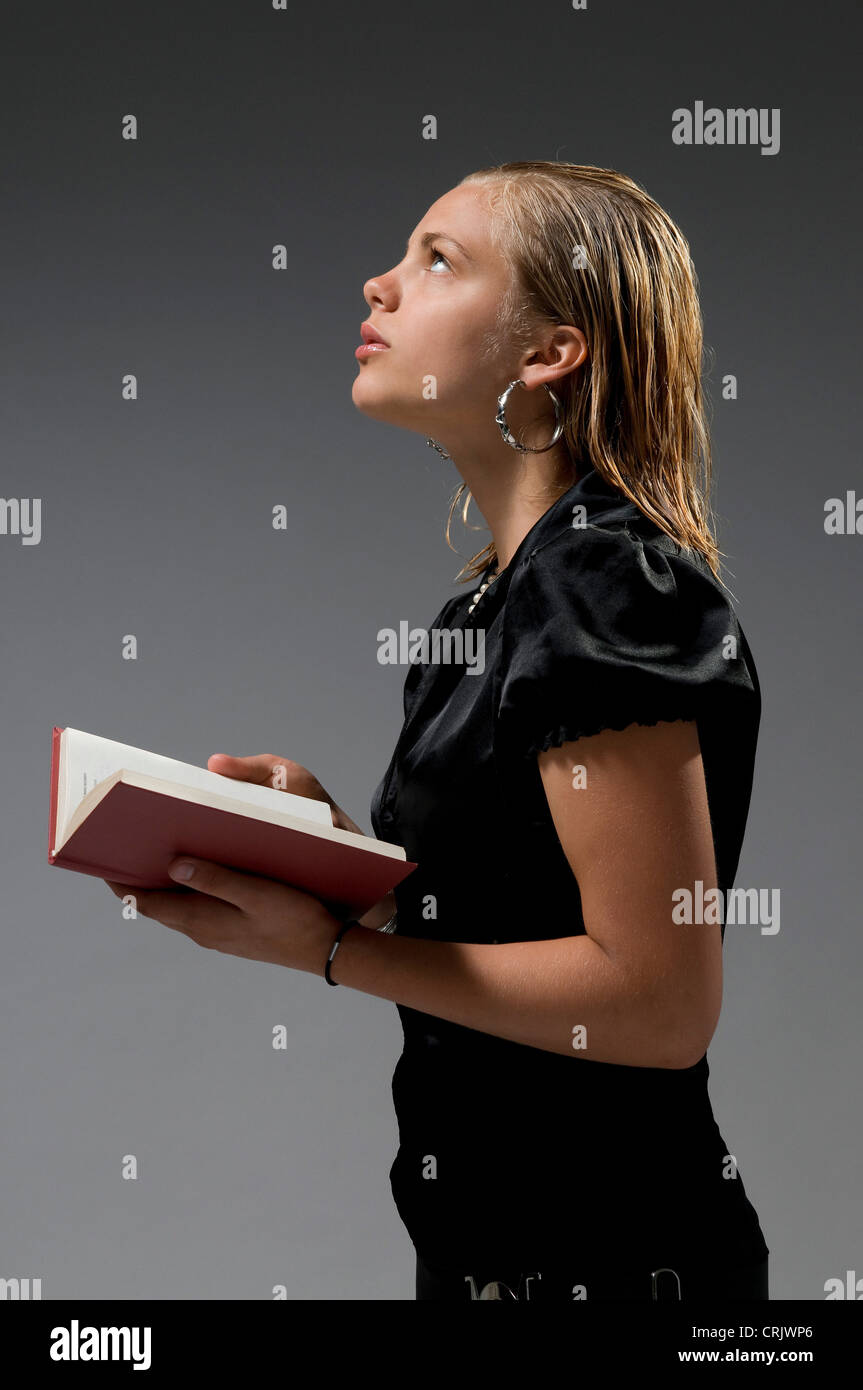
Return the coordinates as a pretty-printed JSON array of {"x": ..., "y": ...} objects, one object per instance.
[{"x": 90, "y": 759}]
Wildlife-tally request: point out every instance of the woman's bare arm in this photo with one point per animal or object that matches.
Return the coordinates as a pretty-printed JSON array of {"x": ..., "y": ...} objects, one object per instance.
[{"x": 646, "y": 990}]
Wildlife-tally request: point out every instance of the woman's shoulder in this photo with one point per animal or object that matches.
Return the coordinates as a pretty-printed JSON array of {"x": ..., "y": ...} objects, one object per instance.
[
  {"x": 608, "y": 621},
  {"x": 622, "y": 571},
  {"x": 596, "y": 542}
]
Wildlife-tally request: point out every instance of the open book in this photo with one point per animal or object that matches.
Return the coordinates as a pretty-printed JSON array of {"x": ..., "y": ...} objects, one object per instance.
[{"x": 124, "y": 814}]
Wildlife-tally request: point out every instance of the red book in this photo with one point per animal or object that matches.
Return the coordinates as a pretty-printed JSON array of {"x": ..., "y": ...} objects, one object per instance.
[{"x": 123, "y": 814}]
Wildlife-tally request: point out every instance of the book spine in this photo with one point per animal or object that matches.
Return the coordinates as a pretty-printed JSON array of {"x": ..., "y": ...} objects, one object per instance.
[{"x": 55, "y": 778}]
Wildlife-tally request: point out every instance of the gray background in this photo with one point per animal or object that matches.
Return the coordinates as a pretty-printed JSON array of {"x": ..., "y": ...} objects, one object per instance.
[{"x": 260, "y": 1167}]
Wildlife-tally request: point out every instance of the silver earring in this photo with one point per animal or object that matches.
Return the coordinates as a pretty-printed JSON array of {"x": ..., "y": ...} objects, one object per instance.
[
  {"x": 443, "y": 453},
  {"x": 509, "y": 438}
]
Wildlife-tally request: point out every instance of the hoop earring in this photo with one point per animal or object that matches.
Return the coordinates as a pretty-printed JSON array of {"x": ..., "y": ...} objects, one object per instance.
[{"x": 508, "y": 436}]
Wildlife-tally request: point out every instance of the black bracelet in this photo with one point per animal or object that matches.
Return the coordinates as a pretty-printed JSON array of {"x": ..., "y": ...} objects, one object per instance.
[{"x": 351, "y": 922}]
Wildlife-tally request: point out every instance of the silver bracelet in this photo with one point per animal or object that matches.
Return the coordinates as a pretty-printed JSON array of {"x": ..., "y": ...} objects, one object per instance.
[{"x": 390, "y": 926}]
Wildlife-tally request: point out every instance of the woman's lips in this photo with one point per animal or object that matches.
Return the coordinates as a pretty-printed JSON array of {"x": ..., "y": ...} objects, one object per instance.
[{"x": 367, "y": 349}]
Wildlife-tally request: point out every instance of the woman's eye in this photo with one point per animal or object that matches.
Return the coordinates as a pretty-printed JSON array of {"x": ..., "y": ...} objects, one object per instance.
[{"x": 438, "y": 256}]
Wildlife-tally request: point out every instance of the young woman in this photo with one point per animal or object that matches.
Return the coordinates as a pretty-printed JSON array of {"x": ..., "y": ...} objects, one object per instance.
[{"x": 568, "y": 795}]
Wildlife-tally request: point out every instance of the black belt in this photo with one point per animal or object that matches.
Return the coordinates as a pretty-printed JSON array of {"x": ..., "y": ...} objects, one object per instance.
[
  {"x": 660, "y": 1284},
  {"x": 657, "y": 1285}
]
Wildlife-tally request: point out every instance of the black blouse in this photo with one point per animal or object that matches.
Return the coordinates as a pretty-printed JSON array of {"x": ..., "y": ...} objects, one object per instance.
[{"x": 505, "y": 1150}]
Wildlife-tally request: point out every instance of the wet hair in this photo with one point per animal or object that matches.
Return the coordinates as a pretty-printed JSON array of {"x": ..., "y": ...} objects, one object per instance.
[{"x": 589, "y": 247}]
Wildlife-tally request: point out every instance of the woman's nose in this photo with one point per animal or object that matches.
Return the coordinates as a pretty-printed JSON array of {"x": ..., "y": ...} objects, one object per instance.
[{"x": 379, "y": 289}]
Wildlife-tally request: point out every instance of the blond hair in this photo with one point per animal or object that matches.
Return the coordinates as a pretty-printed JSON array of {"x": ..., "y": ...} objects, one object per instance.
[{"x": 589, "y": 247}]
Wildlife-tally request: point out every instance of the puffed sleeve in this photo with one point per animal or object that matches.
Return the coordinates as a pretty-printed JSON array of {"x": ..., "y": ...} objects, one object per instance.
[{"x": 604, "y": 629}]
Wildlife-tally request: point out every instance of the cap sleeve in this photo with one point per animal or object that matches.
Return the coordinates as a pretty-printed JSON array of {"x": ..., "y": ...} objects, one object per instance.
[{"x": 605, "y": 629}]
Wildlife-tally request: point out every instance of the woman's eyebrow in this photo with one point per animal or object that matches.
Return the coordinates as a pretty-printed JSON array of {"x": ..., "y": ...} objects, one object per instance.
[{"x": 428, "y": 237}]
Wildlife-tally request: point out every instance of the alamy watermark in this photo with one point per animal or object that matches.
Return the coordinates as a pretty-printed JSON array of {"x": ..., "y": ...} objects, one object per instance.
[
  {"x": 21, "y": 516},
  {"x": 753, "y": 906},
  {"x": 438, "y": 646},
  {"x": 737, "y": 125}
]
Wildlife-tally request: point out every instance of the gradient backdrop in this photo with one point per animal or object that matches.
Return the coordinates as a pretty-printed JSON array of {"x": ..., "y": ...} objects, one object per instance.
[{"x": 153, "y": 257}]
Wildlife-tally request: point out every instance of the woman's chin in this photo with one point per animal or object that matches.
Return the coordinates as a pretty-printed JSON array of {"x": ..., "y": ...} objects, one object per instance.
[
  {"x": 382, "y": 405},
  {"x": 366, "y": 397},
  {"x": 373, "y": 406}
]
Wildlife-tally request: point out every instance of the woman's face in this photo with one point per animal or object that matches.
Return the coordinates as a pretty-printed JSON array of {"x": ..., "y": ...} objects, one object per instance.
[{"x": 434, "y": 309}]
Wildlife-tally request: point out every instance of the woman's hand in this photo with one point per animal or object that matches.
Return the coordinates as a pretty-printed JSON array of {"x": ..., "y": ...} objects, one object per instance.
[
  {"x": 283, "y": 774},
  {"x": 241, "y": 914},
  {"x": 267, "y": 770}
]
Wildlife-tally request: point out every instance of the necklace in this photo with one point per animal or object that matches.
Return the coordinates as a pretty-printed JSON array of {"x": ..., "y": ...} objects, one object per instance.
[{"x": 481, "y": 590}]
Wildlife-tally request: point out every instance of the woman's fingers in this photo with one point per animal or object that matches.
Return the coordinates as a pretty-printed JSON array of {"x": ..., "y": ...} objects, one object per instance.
[
  {"x": 258, "y": 768},
  {"x": 196, "y": 916},
  {"x": 270, "y": 771}
]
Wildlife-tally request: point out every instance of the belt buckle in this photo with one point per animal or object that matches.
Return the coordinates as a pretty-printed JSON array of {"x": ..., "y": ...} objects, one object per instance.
[
  {"x": 497, "y": 1289},
  {"x": 654, "y": 1287}
]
